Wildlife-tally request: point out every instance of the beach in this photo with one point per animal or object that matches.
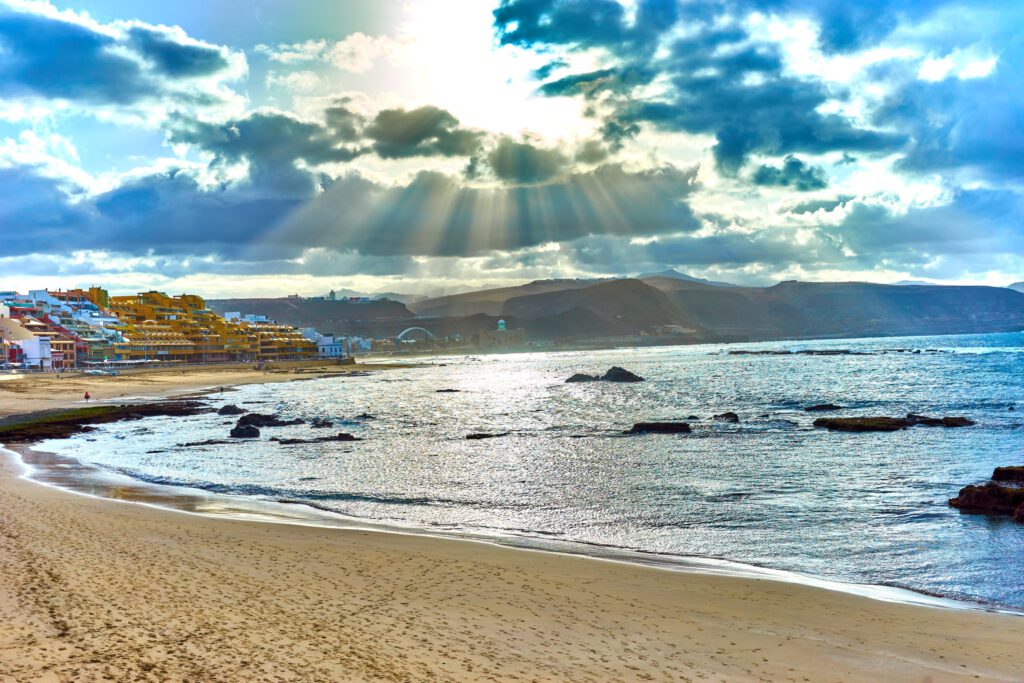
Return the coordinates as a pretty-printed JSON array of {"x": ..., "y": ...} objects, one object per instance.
[
  {"x": 98, "y": 589},
  {"x": 45, "y": 391}
]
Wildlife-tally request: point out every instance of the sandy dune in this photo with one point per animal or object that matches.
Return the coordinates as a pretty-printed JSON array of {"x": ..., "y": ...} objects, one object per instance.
[{"x": 94, "y": 589}]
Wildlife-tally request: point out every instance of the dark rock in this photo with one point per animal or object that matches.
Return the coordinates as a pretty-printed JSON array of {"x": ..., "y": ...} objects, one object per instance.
[
  {"x": 1018, "y": 516},
  {"x": 580, "y": 377},
  {"x": 208, "y": 442},
  {"x": 727, "y": 417},
  {"x": 957, "y": 422},
  {"x": 863, "y": 424},
  {"x": 66, "y": 423},
  {"x": 822, "y": 407},
  {"x": 321, "y": 423},
  {"x": 1011, "y": 473},
  {"x": 245, "y": 432},
  {"x": 448, "y": 391},
  {"x": 659, "y": 428},
  {"x": 481, "y": 435},
  {"x": 264, "y": 420},
  {"x": 231, "y": 409},
  {"x": 364, "y": 416},
  {"x": 692, "y": 417},
  {"x": 990, "y": 499},
  {"x": 617, "y": 374},
  {"x": 340, "y": 436}
]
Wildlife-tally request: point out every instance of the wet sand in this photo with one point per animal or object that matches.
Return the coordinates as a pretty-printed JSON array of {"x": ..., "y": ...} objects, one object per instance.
[
  {"x": 46, "y": 391},
  {"x": 94, "y": 589}
]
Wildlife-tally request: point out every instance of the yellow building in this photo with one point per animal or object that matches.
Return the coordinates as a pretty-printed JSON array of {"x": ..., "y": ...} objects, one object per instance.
[{"x": 183, "y": 328}]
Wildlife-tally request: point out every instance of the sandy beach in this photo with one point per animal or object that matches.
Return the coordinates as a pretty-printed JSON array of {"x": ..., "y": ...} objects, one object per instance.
[
  {"x": 46, "y": 391},
  {"x": 96, "y": 589}
]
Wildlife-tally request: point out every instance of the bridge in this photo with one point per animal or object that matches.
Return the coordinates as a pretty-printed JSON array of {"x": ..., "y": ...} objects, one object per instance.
[{"x": 402, "y": 335}]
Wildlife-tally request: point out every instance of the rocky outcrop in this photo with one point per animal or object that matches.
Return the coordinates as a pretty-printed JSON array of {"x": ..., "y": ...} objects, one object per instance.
[
  {"x": 321, "y": 423},
  {"x": 659, "y": 428},
  {"x": 62, "y": 424},
  {"x": 888, "y": 424},
  {"x": 262, "y": 420},
  {"x": 822, "y": 408},
  {"x": 231, "y": 409},
  {"x": 614, "y": 374},
  {"x": 727, "y": 417},
  {"x": 1013, "y": 473},
  {"x": 617, "y": 374},
  {"x": 245, "y": 432},
  {"x": 991, "y": 499}
]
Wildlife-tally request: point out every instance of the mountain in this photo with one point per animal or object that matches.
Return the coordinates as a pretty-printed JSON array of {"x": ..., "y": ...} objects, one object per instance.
[
  {"x": 676, "y": 275},
  {"x": 616, "y": 307},
  {"x": 489, "y": 301},
  {"x": 842, "y": 309},
  {"x": 1017, "y": 287},
  {"x": 370, "y": 318}
]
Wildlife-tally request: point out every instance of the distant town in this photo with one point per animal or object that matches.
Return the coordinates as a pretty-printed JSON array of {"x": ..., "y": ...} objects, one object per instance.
[{"x": 83, "y": 329}]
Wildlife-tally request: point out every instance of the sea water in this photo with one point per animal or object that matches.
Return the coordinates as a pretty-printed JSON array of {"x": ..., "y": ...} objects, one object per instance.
[{"x": 771, "y": 490}]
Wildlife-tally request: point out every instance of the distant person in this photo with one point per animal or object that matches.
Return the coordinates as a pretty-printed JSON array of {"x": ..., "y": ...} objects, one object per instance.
[{"x": 87, "y": 396}]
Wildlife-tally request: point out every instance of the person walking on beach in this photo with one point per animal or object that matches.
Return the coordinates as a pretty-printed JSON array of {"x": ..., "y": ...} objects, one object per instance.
[{"x": 87, "y": 396}]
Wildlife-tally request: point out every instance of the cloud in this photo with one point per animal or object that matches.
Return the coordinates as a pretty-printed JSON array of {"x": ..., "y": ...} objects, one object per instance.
[
  {"x": 426, "y": 131},
  {"x": 433, "y": 215},
  {"x": 794, "y": 173},
  {"x": 521, "y": 162},
  {"x": 357, "y": 52},
  {"x": 63, "y": 57},
  {"x": 826, "y": 205}
]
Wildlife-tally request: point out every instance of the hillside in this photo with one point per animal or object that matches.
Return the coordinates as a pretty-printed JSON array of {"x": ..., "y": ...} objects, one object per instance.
[
  {"x": 338, "y": 317},
  {"x": 1017, "y": 287},
  {"x": 845, "y": 309},
  {"x": 489, "y": 301},
  {"x": 676, "y": 275}
]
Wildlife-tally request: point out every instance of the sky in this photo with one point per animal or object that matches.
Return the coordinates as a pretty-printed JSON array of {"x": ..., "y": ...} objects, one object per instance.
[{"x": 272, "y": 147}]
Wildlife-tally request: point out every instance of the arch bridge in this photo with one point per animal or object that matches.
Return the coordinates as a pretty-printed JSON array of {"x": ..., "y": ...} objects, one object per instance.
[{"x": 402, "y": 335}]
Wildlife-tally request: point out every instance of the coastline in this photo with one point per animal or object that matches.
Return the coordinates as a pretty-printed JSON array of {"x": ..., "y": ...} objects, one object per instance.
[
  {"x": 612, "y": 620},
  {"x": 96, "y": 587}
]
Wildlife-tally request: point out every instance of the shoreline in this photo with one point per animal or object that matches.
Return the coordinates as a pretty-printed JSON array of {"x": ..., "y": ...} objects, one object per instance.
[
  {"x": 94, "y": 588},
  {"x": 140, "y": 591},
  {"x": 71, "y": 476}
]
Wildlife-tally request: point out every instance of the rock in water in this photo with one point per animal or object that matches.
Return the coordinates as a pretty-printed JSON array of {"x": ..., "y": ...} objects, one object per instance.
[
  {"x": 321, "y": 423},
  {"x": 821, "y": 408},
  {"x": 479, "y": 436},
  {"x": 990, "y": 499},
  {"x": 245, "y": 432},
  {"x": 1011, "y": 473},
  {"x": 727, "y": 417},
  {"x": 231, "y": 409},
  {"x": 263, "y": 420},
  {"x": 617, "y": 374},
  {"x": 863, "y": 424},
  {"x": 580, "y": 377},
  {"x": 659, "y": 428}
]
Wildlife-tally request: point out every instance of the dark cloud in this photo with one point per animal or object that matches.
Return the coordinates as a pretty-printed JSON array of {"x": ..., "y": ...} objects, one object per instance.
[
  {"x": 794, "y": 173},
  {"x": 427, "y": 131},
  {"x": 718, "y": 79},
  {"x": 175, "y": 59},
  {"x": 591, "y": 152},
  {"x": 272, "y": 143},
  {"x": 815, "y": 205},
  {"x": 521, "y": 162},
  {"x": 54, "y": 58},
  {"x": 59, "y": 59},
  {"x": 169, "y": 213},
  {"x": 583, "y": 23}
]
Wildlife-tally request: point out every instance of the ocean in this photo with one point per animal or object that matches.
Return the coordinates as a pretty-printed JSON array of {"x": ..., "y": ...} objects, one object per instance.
[{"x": 769, "y": 491}]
